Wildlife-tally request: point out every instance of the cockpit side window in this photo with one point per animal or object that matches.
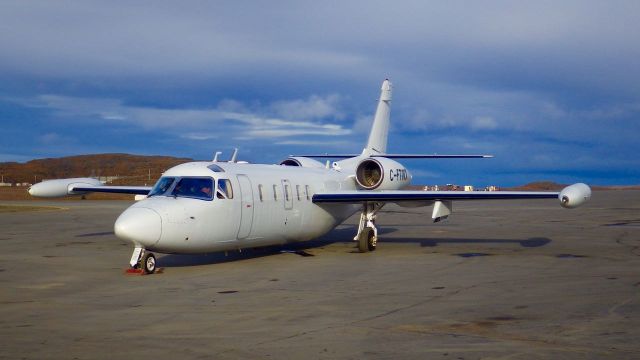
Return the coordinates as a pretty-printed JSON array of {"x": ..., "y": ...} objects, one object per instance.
[
  {"x": 198, "y": 188},
  {"x": 225, "y": 191},
  {"x": 161, "y": 187}
]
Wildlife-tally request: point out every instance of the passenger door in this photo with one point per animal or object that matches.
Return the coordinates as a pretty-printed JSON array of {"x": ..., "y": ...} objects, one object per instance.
[{"x": 246, "y": 204}]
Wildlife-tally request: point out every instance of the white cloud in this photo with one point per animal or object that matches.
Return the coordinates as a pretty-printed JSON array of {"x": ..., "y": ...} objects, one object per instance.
[
  {"x": 484, "y": 123},
  {"x": 564, "y": 73},
  {"x": 314, "y": 143},
  {"x": 201, "y": 39},
  {"x": 315, "y": 107},
  {"x": 200, "y": 136},
  {"x": 53, "y": 138},
  {"x": 362, "y": 124},
  {"x": 230, "y": 119}
]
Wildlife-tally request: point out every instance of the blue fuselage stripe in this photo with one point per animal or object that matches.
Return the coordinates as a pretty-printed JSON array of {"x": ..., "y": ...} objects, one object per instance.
[{"x": 113, "y": 191}]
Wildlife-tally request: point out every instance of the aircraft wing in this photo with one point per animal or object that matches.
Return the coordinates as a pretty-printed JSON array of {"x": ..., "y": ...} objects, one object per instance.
[
  {"x": 570, "y": 197},
  {"x": 79, "y": 186},
  {"x": 422, "y": 196}
]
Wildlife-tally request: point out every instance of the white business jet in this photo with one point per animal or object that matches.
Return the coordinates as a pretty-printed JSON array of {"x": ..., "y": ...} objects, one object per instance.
[{"x": 203, "y": 207}]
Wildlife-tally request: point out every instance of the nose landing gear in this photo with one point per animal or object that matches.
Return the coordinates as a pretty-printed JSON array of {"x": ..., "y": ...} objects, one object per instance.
[
  {"x": 142, "y": 262},
  {"x": 148, "y": 263}
]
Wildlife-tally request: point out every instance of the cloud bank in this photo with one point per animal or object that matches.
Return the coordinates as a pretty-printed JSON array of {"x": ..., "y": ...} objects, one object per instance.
[{"x": 552, "y": 89}]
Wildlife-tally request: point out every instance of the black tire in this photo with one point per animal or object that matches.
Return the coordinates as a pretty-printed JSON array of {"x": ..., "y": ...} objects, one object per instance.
[
  {"x": 366, "y": 241},
  {"x": 148, "y": 263},
  {"x": 372, "y": 241}
]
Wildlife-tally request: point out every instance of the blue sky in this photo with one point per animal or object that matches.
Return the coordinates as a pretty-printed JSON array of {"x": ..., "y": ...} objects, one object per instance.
[{"x": 552, "y": 89}]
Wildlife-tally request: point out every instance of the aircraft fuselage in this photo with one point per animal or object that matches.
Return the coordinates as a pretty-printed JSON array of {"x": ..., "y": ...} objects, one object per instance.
[{"x": 268, "y": 205}]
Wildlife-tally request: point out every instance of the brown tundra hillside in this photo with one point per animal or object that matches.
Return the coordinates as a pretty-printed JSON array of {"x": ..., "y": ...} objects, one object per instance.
[{"x": 131, "y": 169}]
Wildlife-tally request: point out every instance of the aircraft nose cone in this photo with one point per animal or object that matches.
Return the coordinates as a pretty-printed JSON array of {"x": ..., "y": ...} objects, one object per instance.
[{"x": 139, "y": 225}]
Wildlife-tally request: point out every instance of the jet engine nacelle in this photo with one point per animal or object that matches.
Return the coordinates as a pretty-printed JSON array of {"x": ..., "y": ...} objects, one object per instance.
[
  {"x": 382, "y": 173},
  {"x": 61, "y": 187},
  {"x": 302, "y": 162},
  {"x": 574, "y": 195}
]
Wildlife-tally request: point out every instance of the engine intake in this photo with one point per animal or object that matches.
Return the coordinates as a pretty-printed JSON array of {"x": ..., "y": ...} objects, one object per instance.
[
  {"x": 381, "y": 173},
  {"x": 302, "y": 162},
  {"x": 369, "y": 174}
]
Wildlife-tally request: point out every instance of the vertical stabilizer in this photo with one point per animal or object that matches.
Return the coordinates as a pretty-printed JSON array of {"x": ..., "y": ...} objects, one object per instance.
[{"x": 377, "y": 143}]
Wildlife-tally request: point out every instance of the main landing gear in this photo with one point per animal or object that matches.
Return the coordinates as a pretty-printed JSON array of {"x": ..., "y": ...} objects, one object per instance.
[
  {"x": 142, "y": 261},
  {"x": 367, "y": 236}
]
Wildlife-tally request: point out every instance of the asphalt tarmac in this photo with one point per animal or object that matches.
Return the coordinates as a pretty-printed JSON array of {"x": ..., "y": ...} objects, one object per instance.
[{"x": 499, "y": 280}]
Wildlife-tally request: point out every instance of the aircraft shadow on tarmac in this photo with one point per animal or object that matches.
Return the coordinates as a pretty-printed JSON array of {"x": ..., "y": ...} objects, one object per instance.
[{"x": 340, "y": 235}]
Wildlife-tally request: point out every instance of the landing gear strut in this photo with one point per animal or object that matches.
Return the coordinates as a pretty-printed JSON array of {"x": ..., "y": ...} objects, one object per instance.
[
  {"x": 141, "y": 259},
  {"x": 367, "y": 236}
]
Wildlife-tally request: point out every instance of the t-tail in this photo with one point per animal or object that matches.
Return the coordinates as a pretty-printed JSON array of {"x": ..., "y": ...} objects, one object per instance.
[{"x": 377, "y": 142}]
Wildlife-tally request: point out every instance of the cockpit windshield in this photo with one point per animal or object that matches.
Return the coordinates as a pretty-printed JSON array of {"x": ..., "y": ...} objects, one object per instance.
[
  {"x": 162, "y": 186},
  {"x": 191, "y": 187},
  {"x": 199, "y": 188}
]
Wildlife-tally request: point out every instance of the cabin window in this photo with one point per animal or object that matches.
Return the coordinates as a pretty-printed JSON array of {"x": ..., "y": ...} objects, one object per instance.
[
  {"x": 275, "y": 193},
  {"x": 162, "y": 186},
  {"x": 197, "y": 188},
  {"x": 225, "y": 190},
  {"x": 260, "y": 192},
  {"x": 306, "y": 191},
  {"x": 298, "y": 192},
  {"x": 286, "y": 192}
]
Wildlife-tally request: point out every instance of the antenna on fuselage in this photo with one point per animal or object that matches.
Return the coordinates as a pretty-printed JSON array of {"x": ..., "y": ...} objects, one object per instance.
[
  {"x": 234, "y": 156},
  {"x": 215, "y": 156}
]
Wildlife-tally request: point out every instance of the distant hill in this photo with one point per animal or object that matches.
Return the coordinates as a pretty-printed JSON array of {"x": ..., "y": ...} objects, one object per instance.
[
  {"x": 552, "y": 186},
  {"x": 539, "y": 186},
  {"x": 131, "y": 169}
]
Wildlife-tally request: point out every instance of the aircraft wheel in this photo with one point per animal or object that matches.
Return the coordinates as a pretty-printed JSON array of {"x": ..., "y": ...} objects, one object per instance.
[
  {"x": 149, "y": 263},
  {"x": 372, "y": 241},
  {"x": 367, "y": 240}
]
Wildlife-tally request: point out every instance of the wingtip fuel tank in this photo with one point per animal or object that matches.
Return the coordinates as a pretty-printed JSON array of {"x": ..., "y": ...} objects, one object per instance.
[
  {"x": 574, "y": 195},
  {"x": 61, "y": 187}
]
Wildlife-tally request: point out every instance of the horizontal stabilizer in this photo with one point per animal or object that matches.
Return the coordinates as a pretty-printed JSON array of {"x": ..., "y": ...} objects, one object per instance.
[{"x": 397, "y": 156}]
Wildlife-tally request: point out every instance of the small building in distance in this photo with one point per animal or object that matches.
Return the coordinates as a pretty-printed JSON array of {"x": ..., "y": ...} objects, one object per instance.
[
  {"x": 454, "y": 187},
  {"x": 24, "y": 184}
]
